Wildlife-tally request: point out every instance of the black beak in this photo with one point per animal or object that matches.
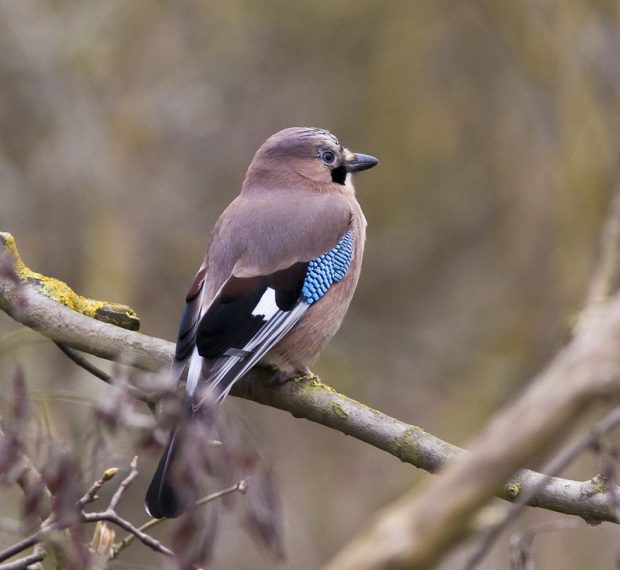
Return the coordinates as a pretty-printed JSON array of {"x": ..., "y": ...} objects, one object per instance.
[{"x": 358, "y": 161}]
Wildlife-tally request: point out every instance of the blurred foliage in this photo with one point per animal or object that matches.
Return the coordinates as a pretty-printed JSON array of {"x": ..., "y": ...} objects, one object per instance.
[{"x": 126, "y": 127}]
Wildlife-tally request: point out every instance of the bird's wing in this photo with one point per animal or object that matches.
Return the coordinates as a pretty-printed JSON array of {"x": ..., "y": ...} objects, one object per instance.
[
  {"x": 249, "y": 315},
  {"x": 186, "y": 337},
  {"x": 257, "y": 239}
]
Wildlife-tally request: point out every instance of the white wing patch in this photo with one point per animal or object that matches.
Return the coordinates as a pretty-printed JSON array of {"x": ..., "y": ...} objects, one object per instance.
[
  {"x": 193, "y": 373},
  {"x": 267, "y": 304},
  {"x": 225, "y": 371}
]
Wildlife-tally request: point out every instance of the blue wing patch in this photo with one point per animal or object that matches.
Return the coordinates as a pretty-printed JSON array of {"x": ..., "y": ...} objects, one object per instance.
[{"x": 327, "y": 269}]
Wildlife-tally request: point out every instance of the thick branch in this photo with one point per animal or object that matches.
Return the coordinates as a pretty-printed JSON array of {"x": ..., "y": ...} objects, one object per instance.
[
  {"x": 415, "y": 531},
  {"x": 306, "y": 398}
]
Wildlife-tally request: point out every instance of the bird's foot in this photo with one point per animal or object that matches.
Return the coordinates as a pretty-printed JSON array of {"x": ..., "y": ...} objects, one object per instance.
[{"x": 279, "y": 377}]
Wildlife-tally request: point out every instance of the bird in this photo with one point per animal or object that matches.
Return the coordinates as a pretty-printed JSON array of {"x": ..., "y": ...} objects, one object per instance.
[{"x": 278, "y": 276}]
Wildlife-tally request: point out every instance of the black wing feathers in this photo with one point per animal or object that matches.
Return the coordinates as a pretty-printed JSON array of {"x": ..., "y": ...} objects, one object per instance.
[
  {"x": 189, "y": 319},
  {"x": 229, "y": 322},
  {"x": 287, "y": 284}
]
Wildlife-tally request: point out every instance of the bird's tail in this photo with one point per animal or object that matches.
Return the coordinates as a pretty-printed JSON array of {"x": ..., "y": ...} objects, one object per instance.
[
  {"x": 162, "y": 499},
  {"x": 177, "y": 477}
]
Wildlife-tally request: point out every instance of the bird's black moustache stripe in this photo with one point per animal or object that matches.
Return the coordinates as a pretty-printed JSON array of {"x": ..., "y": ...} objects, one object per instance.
[{"x": 339, "y": 175}]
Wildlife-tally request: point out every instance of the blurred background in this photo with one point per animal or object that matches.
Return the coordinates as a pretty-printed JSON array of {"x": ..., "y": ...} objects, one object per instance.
[{"x": 126, "y": 128}]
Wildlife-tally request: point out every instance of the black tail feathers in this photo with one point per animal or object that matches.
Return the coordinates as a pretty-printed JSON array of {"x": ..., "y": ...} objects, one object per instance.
[
  {"x": 162, "y": 500},
  {"x": 177, "y": 480}
]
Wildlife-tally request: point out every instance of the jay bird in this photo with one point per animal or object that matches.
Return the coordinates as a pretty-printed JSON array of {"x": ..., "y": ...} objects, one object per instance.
[{"x": 279, "y": 274}]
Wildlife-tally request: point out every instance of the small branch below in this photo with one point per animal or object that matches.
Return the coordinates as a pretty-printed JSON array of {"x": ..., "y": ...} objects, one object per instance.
[{"x": 22, "y": 563}]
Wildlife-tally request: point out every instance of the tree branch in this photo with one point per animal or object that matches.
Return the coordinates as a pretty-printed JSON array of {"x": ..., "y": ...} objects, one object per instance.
[
  {"x": 51, "y": 523},
  {"x": 304, "y": 397},
  {"x": 110, "y": 515},
  {"x": 23, "y": 563},
  {"x": 419, "y": 528},
  {"x": 239, "y": 487},
  {"x": 556, "y": 467}
]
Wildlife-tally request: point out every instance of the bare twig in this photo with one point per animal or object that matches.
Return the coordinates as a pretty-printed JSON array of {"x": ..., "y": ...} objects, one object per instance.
[
  {"x": 24, "y": 562},
  {"x": 607, "y": 424},
  {"x": 133, "y": 473},
  {"x": 91, "y": 495},
  {"x": 83, "y": 363},
  {"x": 240, "y": 487},
  {"x": 39, "y": 550},
  {"x": 22, "y": 545},
  {"x": 110, "y": 515}
]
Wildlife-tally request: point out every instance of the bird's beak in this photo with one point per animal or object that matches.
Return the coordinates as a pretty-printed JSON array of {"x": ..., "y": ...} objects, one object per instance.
[{"x": 355, "y": 162}]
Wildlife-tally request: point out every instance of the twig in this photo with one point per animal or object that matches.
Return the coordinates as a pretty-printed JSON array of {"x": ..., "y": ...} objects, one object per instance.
[
  {"x": 22, "y": 545},
  {"x": 130, "y": 538},
  {"x": 133, "y": 473},
  {"x": 23, "y": 562},
  {"x": 78, "y": 359},
  {"x": 83, "y": 363},
  {"x": 110, "y": 515},
  {"x": 40, "y": 551},
  {"x": 607, "y": 424},
  {"x": 91, "y": 495},
  {"x": 240, "y": 487}
]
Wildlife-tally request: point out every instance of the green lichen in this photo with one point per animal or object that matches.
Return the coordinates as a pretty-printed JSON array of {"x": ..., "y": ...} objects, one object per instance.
[
  {"x": 404, "y": 447},
  {"x": 513, "y": 489},
  {"x": 599, "y": 484},
  {"x": 338, "y": 411},
  {"x": 311, "y": 381},
  {"x": 114, "y": 313}
]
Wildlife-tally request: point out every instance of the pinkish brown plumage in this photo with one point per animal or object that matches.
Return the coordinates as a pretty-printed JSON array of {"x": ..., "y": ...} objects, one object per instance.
[{"x": 279, "y": 274}]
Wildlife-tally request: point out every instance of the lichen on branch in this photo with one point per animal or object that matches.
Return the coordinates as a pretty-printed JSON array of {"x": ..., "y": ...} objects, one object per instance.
[{"x": 113, "y": 313}]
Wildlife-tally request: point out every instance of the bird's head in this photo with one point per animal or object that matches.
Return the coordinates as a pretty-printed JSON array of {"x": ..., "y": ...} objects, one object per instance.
[{"x": 314, "y": 154}]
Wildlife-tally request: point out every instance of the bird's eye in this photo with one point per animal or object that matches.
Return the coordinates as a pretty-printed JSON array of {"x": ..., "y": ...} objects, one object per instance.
[{"x": 328, "y": 157}]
